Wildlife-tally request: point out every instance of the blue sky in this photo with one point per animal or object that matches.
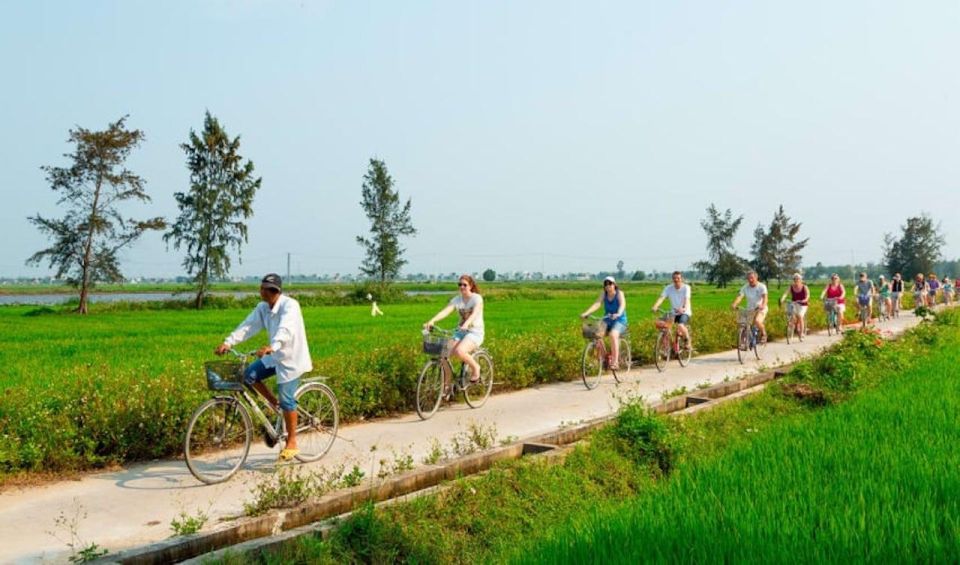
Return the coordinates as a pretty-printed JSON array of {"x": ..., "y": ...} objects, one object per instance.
[{"x": 555, "y": 135}]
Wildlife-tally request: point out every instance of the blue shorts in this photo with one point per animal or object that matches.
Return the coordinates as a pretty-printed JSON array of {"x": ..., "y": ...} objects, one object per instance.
[
  {"x": 475, "y": 337},
  {"x": 615, "y": 326},
  {"x": 682, "y": 319},
  {"x": 257, "y": 372}
]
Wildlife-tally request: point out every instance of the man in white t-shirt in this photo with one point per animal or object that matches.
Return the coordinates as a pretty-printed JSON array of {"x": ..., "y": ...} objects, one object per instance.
[
  {"x": 678, "y": 294},
  {"x": 756, "y": 294}
]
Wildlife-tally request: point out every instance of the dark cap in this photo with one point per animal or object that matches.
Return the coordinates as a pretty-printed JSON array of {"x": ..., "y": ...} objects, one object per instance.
[{"x": 272, "y": 281}]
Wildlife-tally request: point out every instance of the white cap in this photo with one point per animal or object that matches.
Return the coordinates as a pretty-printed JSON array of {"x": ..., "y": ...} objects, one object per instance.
[{"x": 610, "y": 279}]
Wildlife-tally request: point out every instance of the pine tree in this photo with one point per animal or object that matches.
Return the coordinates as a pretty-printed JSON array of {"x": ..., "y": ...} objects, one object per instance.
[
  {"x": 388, "y": 222},
  {"x": 88, "y": 237},
  {"x": 213, "y": 211}
]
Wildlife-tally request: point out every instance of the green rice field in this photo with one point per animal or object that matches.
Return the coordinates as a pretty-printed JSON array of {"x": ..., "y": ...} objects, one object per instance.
[{"x": 119, "y": 384}]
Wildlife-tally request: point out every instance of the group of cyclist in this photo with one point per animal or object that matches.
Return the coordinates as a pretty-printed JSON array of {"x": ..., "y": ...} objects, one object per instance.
[
  {"x": 287, "y": 355},
  {"x": 886, "y": 294}
]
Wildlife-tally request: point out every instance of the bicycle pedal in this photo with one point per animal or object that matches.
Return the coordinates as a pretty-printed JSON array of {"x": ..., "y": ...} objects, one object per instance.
[{"x": 269, "y": 440}]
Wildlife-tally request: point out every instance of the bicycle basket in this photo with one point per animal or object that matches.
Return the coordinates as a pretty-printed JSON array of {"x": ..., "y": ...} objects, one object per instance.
[
  {"x": 829, "y": 305},
  {"x": 434, "y": 344},
  {"x": 224, "y": 375},
  {"x": 744, "y": 316},
  {"x": 591, "y": 330}
]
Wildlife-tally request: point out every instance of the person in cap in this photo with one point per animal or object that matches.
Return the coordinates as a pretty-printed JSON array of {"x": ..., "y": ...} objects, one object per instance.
[
  {"x": 286, "y": 356},
  {"x": 884, "y": 297},
  {"x": 614, "y": 321}
]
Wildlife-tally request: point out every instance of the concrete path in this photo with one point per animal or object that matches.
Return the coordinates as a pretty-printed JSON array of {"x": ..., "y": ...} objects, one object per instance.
[{"x": 134, "y": 506}]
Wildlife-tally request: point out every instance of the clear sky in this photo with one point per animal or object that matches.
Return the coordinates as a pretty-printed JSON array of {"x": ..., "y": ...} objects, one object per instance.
[{"x": 555, "y": 135}]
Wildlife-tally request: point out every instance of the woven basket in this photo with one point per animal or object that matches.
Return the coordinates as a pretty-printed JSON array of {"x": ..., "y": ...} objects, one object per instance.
[{"x": 591, "y": 331}]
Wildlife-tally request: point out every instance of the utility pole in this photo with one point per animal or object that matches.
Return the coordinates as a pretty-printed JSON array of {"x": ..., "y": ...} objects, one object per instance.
[{"x": 288, "y": 267}]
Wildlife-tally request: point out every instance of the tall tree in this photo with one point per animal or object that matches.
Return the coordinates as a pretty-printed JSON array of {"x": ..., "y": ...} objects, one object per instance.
[
  {"x": 214, "y": 211},
  {"x": 764, "y": 260},
  {"x": 722, "y": 264},
  {"x": 388, "y": 222},
  {"x": 620, "y": 272},
  {"x": 917, "y": 249},
  {"x": 86, "y": 240},
  {"x": 787, "y": 249}
]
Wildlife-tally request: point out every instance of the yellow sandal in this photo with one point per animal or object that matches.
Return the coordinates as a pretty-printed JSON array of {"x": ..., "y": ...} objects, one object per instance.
[{"x": 288, "y": 454}]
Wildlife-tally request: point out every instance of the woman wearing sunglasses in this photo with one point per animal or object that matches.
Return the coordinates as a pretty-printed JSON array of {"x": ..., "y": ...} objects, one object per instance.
[
  {"x": 469, "y": 333},
  {"x": 615, "y": 315}
]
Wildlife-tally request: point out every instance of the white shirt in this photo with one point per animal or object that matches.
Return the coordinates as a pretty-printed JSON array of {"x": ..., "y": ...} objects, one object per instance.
[
  {"x": 287, "y": 334},
  {"x": 754, "y": 294},
  {"x": 677, "y": 296}
]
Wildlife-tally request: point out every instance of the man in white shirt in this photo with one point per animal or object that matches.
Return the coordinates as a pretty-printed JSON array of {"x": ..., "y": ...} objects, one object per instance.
[
  {"x": 287, "y": 355},
  {"x": 679, "y": 295},
  {"x": 756, "y": 294}
]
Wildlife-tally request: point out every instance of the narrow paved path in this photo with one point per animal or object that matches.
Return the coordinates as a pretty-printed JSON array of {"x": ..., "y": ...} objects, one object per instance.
[{"x": 134, "y": 506}]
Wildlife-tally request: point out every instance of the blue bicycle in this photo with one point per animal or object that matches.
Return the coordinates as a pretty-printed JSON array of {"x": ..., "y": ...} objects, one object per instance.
[{"x": 748, "y": 336}]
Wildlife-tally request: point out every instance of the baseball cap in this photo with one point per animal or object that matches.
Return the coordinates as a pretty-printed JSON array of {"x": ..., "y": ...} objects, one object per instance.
[
  {"x": 610, "y": 279},
  {"x": 273, "y": 281}
]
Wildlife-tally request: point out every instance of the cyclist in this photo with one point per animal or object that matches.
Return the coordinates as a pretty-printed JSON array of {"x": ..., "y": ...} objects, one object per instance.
[
  {"x": 469, "y": 333},
  {"x": 933, "y": 285},
  {"x": 896, "y": 289},
  {"x": 756, "y": 294},
  {"x": 287, "y": 356},
  {"x": 835, "y": 291},
  {"x": 799, "y": 294},
  {"x": 920, "y": 290},
  {"x": 947, "y": 291},
  {"x": 679, "y": 295},
  {"x": 883, "y": 295},
  {"x": 865, "y": 292},
  {"x": 615, "y": 316}
]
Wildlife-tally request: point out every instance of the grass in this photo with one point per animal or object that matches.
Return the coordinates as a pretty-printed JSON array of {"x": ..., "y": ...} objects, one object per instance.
[
  {"x": 874, "y": 479},
  {"x": 870, "y": 475},
  {"x": 119, "y": 385}
]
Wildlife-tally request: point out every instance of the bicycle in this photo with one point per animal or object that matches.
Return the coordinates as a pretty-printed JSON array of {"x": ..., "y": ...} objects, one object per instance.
[
  {"x": 863, "y": 312},
  {"x": 793, "y": 323},
  {"x": 430, "y": 384},
  {"x": 895, "y": 305},
  {"x": 883, "y": 311},
  {"x": 219, "y": 433},
  {"x": 833, "y": 316},
  {"x": 748, "y": 335},
  {"x": 596, "y": 359},
  {"x": 670, "y": 343}
]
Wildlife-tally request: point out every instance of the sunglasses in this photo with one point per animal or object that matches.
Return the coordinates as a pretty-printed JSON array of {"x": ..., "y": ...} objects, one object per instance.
[
  {"x": 463, "y": 285},
  {"x": 608, "y": 283}
]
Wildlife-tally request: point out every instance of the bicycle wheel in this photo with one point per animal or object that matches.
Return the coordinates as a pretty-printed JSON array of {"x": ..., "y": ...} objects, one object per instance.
[
  {"x": 476, "y": 394},
  {"x": 743, "y": 343},
  {"x": 686, "y": 351},
  {"x": 661, "y": 351},
  {"x": 591, "y": 366},
  {"x": 758, "y": 346},
  {"x": 791, "y": 325},
  {"x": 429, "y": 389},
  {"x": 217, "y": 440},
  {"x": 318, "y": 417},
  {"x": 623, "y": 361},
  {"x": 831, "y": 321}
]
